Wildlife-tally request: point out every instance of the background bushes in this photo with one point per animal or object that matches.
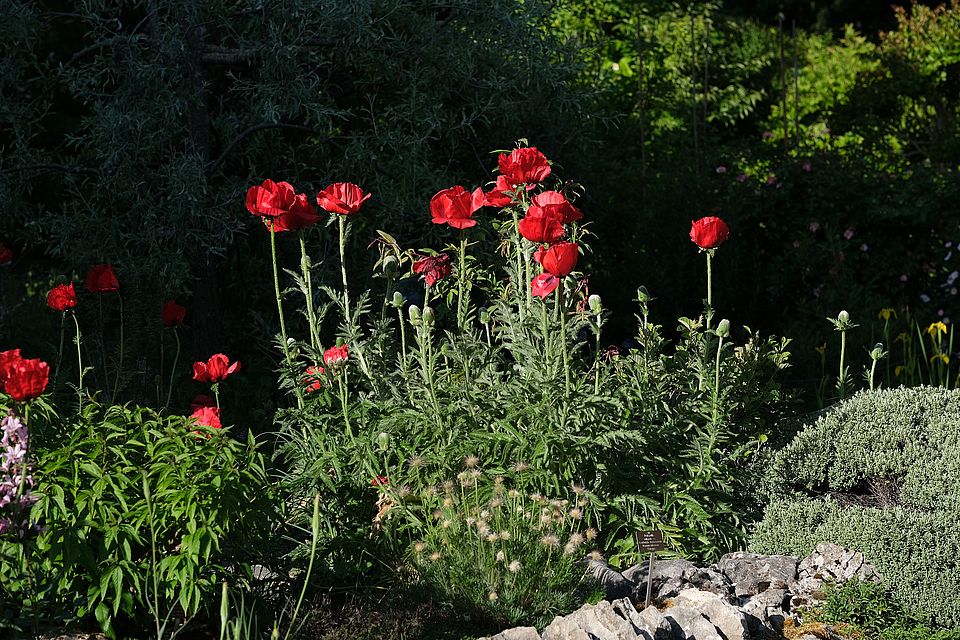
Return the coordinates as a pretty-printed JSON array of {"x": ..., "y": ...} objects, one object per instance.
[{"x": 876, "y": 474}]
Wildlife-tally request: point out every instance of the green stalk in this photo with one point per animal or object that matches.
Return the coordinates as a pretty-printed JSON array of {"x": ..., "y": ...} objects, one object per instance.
[
  {"x": 563, "y": 337},
  {"x": 709, "y": 287},
  {"x": 842, "y": 382},
  {"x": 403, "y": 340},
  {"x": 116, "y": 383},
  {"x": 308, "y": 279},
  {"x": 215, "y": 387},
  {"x": 343, "y": 269},
  {"x": 173, "y": 370},
  {"x": 519, "y": 261},
  {"x": 79, "y": 363},
  {"x": 462, "y": 277},
  {"x": 716, "y": 382},
  {"x": 276, "y": 289},
  {"x": 342, "y": 379},
  {"x": 314, "y": 537},
  {"x": 56, "y": 372},
  {"x": 596, "y": 373}
]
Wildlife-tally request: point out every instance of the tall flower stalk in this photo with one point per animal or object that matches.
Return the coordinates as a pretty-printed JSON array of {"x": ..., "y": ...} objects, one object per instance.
[
  {"x": 843, "y": 324},
  {"x": 306, "y": 269},
  {"x": 343, "y": 270},
  {"x": 276, "y": 289},
  {"x": 76, "y": 325},
  {"x": 709, "y": 233}
]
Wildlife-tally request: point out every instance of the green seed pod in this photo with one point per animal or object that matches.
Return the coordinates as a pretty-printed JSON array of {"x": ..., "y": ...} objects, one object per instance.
[
  {"x": 390, "y": 266},
  {"x": 643, "y": 295},
  {"x": 723, "y": 329},
  {"x": 428, "y": 317},
  {"x": 414, "y": 314},
  {"x": 596, "y": 304},
  {"x": 397, "y": 301}
]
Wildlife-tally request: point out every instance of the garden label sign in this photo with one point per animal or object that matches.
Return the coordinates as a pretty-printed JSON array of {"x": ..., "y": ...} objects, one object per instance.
[{"x": 650, "y": 541}]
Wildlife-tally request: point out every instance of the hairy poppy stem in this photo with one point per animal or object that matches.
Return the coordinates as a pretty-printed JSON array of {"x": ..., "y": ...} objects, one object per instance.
[
  {"x": 308, "y": 280},
  {"x": 343, "y": 401},
  {"x": 709, "y": 286},
  {"x": 462, "y": 277},
  {"x": 116, "y": 382},
  {"x": 521, "y": 296},
  {"x": 343, "y": 268},
  {"x": 79, "y": 363},
  {"x": 276, "y": 288},
  {"x": 716, "y": 381},
  {"x": 56, "y": 372},
  {"x": 173, "y": 370},
  {"x": 563, "y": 338},
  {"x": 403, "y": 341}
]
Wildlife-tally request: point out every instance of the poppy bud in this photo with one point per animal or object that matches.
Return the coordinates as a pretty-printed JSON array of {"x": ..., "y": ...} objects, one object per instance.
[
  {"x": 397, "y": 300},
  {"x": 877, "y": 352},
  {"x": 484, "y": 316},
  {"x": 596, "y": 305},
  {"x": 414, "y": 314},
  {"x": 843, "y": 317},
  {"x": 428, "y": 317},
  {"x": 390, "y": 266},
  {"x": 383, "y": 441},
  {"x": 643, "y": 295},
  {"x": 723, "y": 329}
]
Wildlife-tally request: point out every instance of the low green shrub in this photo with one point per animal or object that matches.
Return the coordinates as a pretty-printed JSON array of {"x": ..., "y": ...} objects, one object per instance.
[
  {"x": 877, "y": 473},
  {"x": 142, "y": 516}
]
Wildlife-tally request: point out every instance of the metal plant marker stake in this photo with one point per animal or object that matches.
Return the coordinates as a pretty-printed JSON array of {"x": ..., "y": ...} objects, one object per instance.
[{"x": 651, "y": 541}]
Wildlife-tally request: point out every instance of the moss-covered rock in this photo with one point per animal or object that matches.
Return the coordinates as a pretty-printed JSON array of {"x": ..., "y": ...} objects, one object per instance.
[{"x": 879, "y": 473}]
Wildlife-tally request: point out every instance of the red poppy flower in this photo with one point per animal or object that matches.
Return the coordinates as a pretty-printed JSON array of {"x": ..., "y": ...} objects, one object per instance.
[
  {"x": 709, "y": 232},
  {"x": 335, "y": 356},
  {"x": 501, "y": 195},
  {"x": 561, "y": 258},
  {"x": 300, "y": 215},
  {"x": 7, "y": 358},
  {"x": 537, "y": 227},
  {"x": 379, "y": 481},
  {"x": 172, "y": 314},
  {"x": 216, "y": 369},
  {"x": 555, "y": 205},
  {"x": 62, "y": 297},
  {"x": 6, "y": 255},
  {"x": 344, "y": 198},
  {"x": 270, "y": 199},
  {"x": 455, "y": 206},
  {"x": 538, "y": 254},
  {"x": 201, "y": 400},
  {"x": 208, "y": 416},
  {"x": 24, "y": 379},
  {"x": 544, "y": 284},
  {"x": 433, "y": 268},
  {"x": 524, "y": 165},
  {"x": 312, "y": 378},
  {"x": 102, "y": 279}
]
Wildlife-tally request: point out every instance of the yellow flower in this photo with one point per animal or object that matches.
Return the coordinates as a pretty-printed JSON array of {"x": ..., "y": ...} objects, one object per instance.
[
  {"x": 822, "y": 349},
  {"x": 942, "y": 357},
  {"x": 898, "y": 370},
  {"x": 937, "y": 329},
  {"x": 902, "y": 337},
  {"x": 886, "y": 313}
]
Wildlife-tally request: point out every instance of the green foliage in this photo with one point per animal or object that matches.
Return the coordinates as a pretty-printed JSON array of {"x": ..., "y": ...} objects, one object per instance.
[
  {"x": 875, "y": 474},
  {"x": 498, "y": 552},
  {"x": 867, "y": 610},
  {"x": 140, "y": 513}
]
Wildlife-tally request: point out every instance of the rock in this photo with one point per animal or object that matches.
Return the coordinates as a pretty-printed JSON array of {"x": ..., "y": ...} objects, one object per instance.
[
  {"x": 828, "y": 563},
  {"x": 517, "y": 633},
  {"x": 617, "y": 620},
  {"x": 766, "y": 612},
  {"x": 673, "y": 576},
  {"x": 751, "y": 573},
  {"x": 721, "y": 614},
  {"x": 615, "y": 585},
  {"x": 689, "y": 624}
]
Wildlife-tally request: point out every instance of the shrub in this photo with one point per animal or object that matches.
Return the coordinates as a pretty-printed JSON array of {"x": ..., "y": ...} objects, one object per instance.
[
  {"x": 140, "y": 513},
  {"x": 876, "y": 473}
]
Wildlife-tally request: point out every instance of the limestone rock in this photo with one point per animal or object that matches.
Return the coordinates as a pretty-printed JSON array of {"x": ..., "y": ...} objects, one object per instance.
[
  {"x": 615, "y": 585},
  {"x": 828, "y": 563},
  {"x": 517, "y": 633},
  {"x": 673, "y": 576},
  {"x": 752, "y": 573},
  {"x": 689, "y": 624},
  {"x": 767, "y": 612},
  {"x": 721, "y": 614},
  {"x": 617, "y": 620}
]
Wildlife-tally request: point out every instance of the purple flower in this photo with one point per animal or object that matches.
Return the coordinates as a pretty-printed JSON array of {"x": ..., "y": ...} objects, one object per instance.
[
  {"x": 742, "y": 177},
  {"x": 16, "y": 498},
  {"x": 814, "y": 226},
  {"x": 807, "y": 167},
  {"x": 721, "y": 169},
  {"x": 767, "y": 135},
  {"x": 848, "y": 234}
]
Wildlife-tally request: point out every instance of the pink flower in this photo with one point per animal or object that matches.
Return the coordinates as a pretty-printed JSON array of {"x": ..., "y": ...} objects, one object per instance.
[
  {"x": 544, "y": 284},
  {"x": 336, "y": 356},
  {"x": 849, "y": 233},
  {"x": 721, "y": 169}
]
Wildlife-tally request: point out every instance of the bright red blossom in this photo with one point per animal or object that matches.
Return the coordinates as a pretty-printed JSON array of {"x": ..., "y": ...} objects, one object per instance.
[
  {"x": 6, "y": 255},
  {"x": 560, "y": 259},
  {"x": 23, "y": 379},
  {"x": 172, "y": 314},
  {"x": 270, "y": 199},
  {"x": 537, "y": 227},
  {"x": 709, "y": 232},
  {"x": 201, "y": 400},
  {"x": 208, "y": 416},
  {"x": 300, "y": 215},
  {"x": 312, "y": 378},
  {"x": 214, "y": 370},
  {"x": 433, "y": 268},
  {"x": 501, "y": 195},
  {"x": 344, "y": 198},
  {"x": 524, "y": 165},
  {"x": 62, "y": 297},
  {"x": 335, "y": 356},
  {"x": 555, "y": 205},
  {"x": 102, "y": 279},
  {"x": 544, "y": 284},
  {"x": 455, "y": 206},
  {"x": 379, "y": 481}
]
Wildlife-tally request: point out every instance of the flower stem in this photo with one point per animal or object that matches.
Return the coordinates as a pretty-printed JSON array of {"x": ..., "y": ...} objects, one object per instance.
[
  {"x": 716, "y": 381},
  {"x": 842, "y": 382},
  {"x": 308, "y": 280},
  {"x": 709, "y": 286},
  {"x": 563, "y": 337},
  {"x": 343, "y": 269},
  {"x": 343, "y": 400},
  {"x": 596, "y": 373},
  {"x": 79, "y": 362},
  {"x": 116, "y": 382},
  {"x": 462, "y": 277},
  {"x": 403, "y": 341},
  {"x": 276, "y": 289},
  {"x": 56, "y": 372},
  {"x": 521, "y": 296},
  {"x": 174, "y": 369}
]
